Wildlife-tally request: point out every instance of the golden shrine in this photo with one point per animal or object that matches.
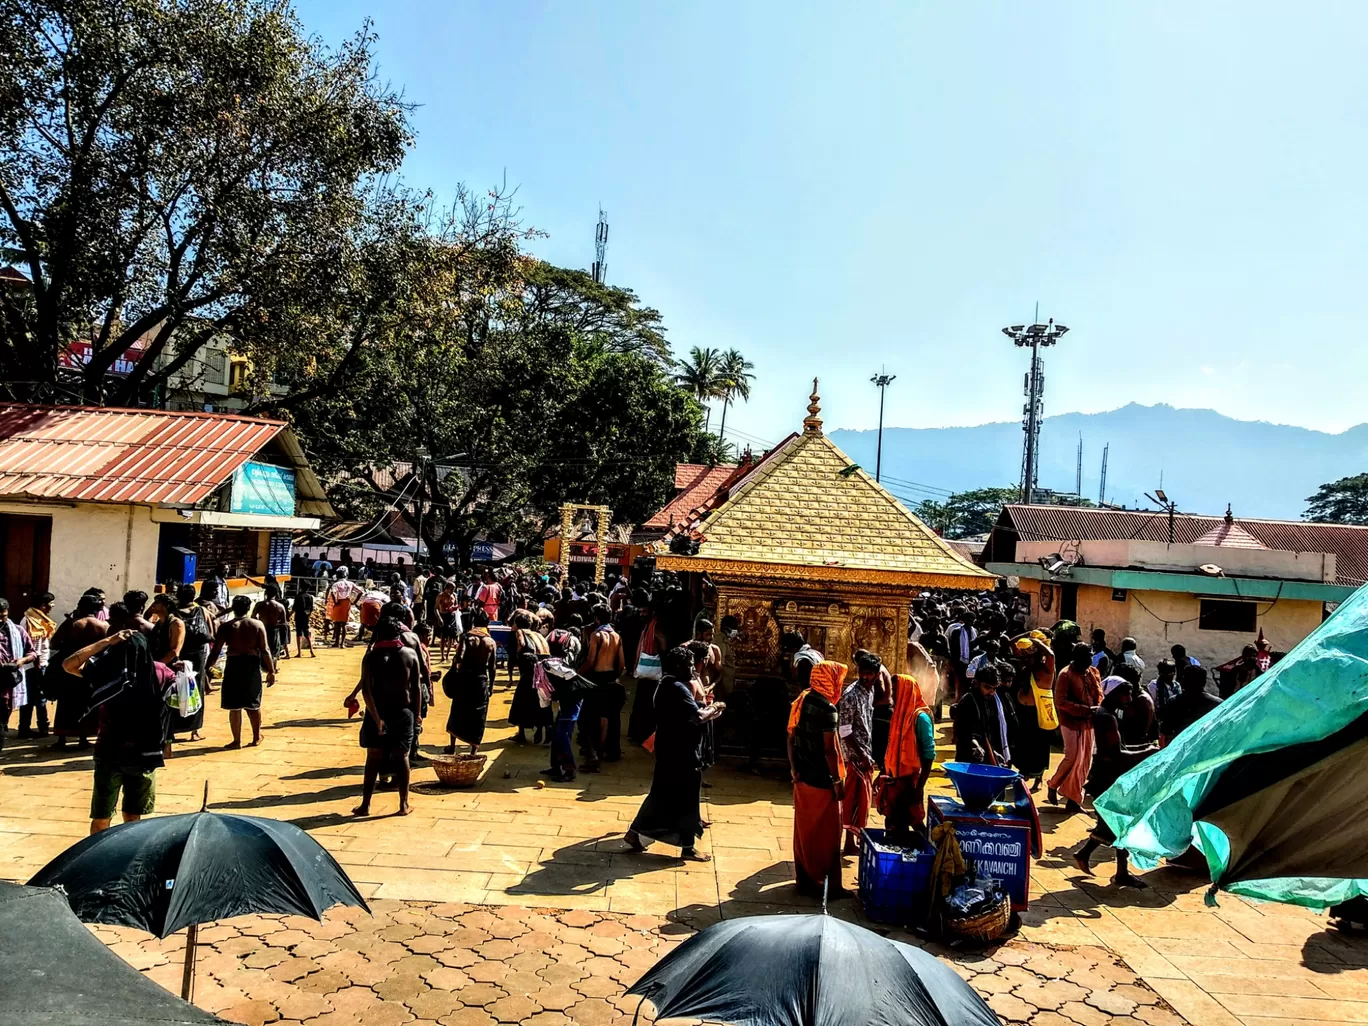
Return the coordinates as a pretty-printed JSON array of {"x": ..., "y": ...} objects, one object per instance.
[{"x": 808, "y": 541}]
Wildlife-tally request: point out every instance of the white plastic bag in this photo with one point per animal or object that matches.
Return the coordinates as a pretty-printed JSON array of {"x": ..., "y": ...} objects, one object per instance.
[{"x": 189, "y": 700}]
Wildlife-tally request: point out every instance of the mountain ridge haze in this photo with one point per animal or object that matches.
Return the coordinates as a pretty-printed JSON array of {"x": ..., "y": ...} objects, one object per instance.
[{"x": 1205, "y": 459}]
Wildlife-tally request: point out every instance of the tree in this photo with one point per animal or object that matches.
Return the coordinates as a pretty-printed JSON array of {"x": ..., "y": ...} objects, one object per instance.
[
  {"x": 1340, "y": 502},
  {"x": 527, "y": 386},
  {"x": 967, "y": 513},
  {"x": 734, "y": 382},
  {"x": 699, "y": 375},
  {"x": 176, "y": 170}
]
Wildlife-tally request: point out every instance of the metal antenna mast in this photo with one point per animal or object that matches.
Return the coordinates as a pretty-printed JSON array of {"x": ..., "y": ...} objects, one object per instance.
[
  {"x": 1078, "y": 473},
  {"x": 1035, "y": 336},
  {"x": 601, "y": 248},
  {"x": 1102, "y": 488}
]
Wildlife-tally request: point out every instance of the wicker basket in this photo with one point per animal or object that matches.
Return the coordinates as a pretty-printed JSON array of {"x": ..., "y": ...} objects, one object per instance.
[
  {"x": 984, "y": 927},
  {"x": 458, "y": 770}
]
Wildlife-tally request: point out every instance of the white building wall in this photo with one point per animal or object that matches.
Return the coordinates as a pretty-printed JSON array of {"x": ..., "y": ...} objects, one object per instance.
[{"x": 97, "y": 545}]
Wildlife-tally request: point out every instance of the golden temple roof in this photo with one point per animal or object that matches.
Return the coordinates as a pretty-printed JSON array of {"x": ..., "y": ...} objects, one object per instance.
[{"x": 807, "y": 505}]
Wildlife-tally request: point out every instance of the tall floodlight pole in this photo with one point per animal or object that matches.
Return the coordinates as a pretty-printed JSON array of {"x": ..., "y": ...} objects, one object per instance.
[
  {"x": 1165, "y": 503},
  {"x": 882, "y": 381},
  {"x": 1035, "y": 336}
]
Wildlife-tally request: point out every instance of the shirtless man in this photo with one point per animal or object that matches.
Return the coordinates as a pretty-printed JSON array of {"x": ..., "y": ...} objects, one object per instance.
[
  {"x": 84, "y": 627},
  {"x": 471, "y": 681},
  {"x": 710, "y": 670},
  {"x": 136, "y": 603},
  {"x": 392, "y": 687},
  {"x": 603, "y": 664},
  {"x": 249, "y": 652},
  {"x": 276, "y": 619}
]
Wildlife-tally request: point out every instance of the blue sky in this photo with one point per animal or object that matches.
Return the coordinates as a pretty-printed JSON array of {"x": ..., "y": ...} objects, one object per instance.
[{"x": 836, "y": 188}]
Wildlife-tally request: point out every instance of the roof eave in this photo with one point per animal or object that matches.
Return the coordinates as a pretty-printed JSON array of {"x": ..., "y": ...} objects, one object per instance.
[{"x": 970, "y": 578}]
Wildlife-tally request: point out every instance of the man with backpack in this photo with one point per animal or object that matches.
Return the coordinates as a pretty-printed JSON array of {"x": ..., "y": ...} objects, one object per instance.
[{"x": 127, "y": 685}]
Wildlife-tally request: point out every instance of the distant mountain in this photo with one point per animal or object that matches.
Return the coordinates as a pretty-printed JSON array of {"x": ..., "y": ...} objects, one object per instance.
[{"x": 1207, "y": 459}]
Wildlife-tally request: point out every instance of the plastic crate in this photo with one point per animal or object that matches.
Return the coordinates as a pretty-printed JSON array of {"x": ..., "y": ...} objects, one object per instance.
[{"x": 895, "y": 883}]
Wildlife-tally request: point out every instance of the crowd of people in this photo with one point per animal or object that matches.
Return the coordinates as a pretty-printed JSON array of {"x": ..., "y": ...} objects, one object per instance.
[
  {"x": 862, "y": 738},
  {"x": 134, "y": 674}
]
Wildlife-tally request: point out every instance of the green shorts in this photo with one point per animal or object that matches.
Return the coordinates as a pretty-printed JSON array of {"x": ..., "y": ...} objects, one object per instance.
[{"x": 139, "y": 790}]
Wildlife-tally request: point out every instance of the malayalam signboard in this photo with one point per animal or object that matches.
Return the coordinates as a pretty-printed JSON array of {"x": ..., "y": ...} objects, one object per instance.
[{"x": 264, "y": 489}]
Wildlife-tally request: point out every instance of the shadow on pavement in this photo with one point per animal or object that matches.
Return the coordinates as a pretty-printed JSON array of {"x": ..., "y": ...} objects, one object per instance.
[
  {"x": 582, "y": 868},
  {"x": 325, "y": 772},
  {"x": 273, "y": 801},
  {"x": 325, "y": 819}
]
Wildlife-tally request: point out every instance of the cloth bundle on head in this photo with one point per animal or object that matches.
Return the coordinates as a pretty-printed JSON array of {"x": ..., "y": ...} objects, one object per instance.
[
  {"x": 902, "y": 758},
  {"x": 1112, "y": 683},
  {"x": 827, "y": 679}
]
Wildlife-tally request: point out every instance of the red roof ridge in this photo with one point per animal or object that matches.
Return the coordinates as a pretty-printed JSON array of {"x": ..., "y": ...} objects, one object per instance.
[{"x": 143, "y": 412}]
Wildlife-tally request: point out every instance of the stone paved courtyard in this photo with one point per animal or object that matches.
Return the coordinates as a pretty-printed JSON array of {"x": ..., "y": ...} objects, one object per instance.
[{"x": 517, "y": 903}]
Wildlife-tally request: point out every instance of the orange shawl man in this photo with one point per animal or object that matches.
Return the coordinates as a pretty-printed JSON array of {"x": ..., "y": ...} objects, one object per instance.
[
  {"x": 907, "y": 764},
  {"x": 818, "y": 780},
  {"x": 1077, "y": 694}
]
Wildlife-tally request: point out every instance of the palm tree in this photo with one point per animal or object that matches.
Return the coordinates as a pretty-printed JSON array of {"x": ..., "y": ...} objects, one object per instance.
[
  {"x": 735, "y": 377},
  {"x": 699, "y": 376}
]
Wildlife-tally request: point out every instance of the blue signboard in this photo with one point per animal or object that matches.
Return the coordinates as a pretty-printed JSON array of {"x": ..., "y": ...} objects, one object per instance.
[
  {"x": 262, "y": 488},
  {"x": 998, "y": 840}
]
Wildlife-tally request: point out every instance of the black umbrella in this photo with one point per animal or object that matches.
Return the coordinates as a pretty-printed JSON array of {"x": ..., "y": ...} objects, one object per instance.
[
  {"x": 163, "y": 874},
  {"x": 805, "y": 970},
  {"x": 58, "y": 973}
]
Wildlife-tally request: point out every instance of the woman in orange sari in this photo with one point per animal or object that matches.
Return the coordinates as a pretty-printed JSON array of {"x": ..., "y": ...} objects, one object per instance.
[
  {"x": 818, "y": 781},
  {"x": 907, "y": 764}
]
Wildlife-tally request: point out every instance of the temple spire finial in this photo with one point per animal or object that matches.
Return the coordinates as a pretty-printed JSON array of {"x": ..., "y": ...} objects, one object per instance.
[{"x": 812, "y": 423}]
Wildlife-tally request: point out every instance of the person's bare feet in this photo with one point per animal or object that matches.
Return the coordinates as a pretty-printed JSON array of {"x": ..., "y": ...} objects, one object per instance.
[
  {"x": 361, "y": 810},
  {"x": 633, "y": 840},
  {"x": 233, "y": 745},
  {"x": 254, "y": 742},
  {"x": 690, "y": 855},
  {"x": 405, "y": 810},
  {"x": 1082, "y": 865},
  {"x": 1127, "y": 880}
]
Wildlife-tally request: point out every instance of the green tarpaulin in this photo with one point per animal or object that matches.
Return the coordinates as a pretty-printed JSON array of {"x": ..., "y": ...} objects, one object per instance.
[{"x": 1271, "y": 786}]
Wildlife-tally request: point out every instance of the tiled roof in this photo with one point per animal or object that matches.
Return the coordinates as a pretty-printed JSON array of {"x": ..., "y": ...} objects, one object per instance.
[
  {"x": 698, "y": 483},
  {"x": 805, "y": 505},
  {"x": 1348, "y": 543},
  {"x": 1230, "y": 536},
  {"x": 109, "y": 454}
]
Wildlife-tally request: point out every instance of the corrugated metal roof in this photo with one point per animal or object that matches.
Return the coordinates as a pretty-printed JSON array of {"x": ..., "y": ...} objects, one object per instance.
[
  {"x": 1348, "y": 543},
  {"x": 698, "y": 483},
  {"x": 118, "y": 455}
]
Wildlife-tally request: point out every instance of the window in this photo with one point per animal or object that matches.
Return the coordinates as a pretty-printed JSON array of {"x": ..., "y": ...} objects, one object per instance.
[
  {"x": 215, "y": 367},
  {"x": 1220, "y": 615}
]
